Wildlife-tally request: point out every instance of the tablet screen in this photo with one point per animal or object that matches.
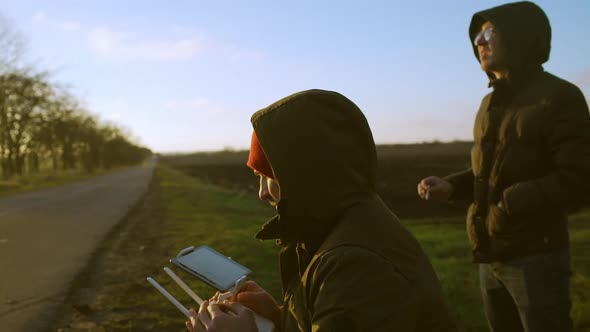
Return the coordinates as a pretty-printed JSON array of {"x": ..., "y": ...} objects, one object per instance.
[{"x": 215, "y": 267}]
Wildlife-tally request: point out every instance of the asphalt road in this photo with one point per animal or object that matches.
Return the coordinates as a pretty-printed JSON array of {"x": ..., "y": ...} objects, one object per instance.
[{"x": 47, "y": 238}]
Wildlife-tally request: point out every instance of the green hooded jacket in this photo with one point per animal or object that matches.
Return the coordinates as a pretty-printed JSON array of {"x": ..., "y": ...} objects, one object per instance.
[
  {"x": 347, "y": 264},
  {"x": 530, "y": 162}
]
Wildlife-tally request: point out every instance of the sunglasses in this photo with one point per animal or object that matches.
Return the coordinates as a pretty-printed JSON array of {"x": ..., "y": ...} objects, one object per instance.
[{"x": 485, "y": 35}]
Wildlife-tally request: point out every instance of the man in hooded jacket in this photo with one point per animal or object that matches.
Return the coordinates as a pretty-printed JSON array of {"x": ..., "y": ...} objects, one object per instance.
[
  {"x": 530, "y": 166},
  {"x": 347, "y": 264}
]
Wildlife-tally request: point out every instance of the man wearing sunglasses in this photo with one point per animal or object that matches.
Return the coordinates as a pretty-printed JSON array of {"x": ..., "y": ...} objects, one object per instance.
[{"x": 530, "y": 165}]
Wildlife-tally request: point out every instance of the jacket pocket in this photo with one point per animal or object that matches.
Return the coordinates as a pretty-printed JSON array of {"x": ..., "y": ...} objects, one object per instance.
[
  {"x": 498, "y": 221},
  {"x": 476, "y": 230}
]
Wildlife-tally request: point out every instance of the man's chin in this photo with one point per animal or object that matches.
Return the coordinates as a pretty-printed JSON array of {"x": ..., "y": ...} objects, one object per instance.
[{"x": 489, "y": 66}]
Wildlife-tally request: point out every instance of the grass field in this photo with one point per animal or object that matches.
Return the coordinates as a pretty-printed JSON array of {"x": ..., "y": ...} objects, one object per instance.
[
  {"x": 45, "y": 179},
  {"x": 112, "y": 294},
  {"x": 180, "y": 210}
]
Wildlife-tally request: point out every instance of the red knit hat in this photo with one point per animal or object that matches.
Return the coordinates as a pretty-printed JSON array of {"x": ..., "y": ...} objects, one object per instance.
[{"x": 257, "y": 159}]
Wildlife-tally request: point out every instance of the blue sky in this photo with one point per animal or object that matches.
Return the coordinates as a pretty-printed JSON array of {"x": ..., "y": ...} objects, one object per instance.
[{"x": 186, "y": 75}]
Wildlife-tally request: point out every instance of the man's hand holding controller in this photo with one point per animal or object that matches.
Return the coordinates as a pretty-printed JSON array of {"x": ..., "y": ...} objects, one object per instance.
[{"x": 225, "y": 311}]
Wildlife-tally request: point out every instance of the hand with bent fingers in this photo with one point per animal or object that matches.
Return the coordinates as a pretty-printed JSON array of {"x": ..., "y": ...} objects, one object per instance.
[
  {"x": 260, "y": 301},
  {"x": 435, "y": 188},
  {"x": 227, "y": 316}
]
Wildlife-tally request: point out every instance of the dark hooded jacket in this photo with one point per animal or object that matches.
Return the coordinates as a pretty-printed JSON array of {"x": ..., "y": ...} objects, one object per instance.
[
  {"x": 531, "y": 149},
  {"x": 347, "y": 264}
]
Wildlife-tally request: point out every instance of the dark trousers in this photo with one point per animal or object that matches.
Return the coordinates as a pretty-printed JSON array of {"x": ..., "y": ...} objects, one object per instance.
[{"x": 528, "y": 294}]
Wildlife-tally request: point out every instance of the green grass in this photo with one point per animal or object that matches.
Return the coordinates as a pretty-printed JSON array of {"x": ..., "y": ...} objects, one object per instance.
[
  {"x": 43, "y": 180},
  {"x": 195, "y": 212},
  {"x": 447, "y": 247},
  {"x": 448, "y": 250},
  {"x": 201, "y": 213}
]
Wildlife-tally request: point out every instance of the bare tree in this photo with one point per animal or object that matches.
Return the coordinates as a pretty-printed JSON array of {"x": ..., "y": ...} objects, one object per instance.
[
  {"x": 12, "y": 45},
  {"x": 22, "y": 97},
  {"x": 41, "y": 123}
]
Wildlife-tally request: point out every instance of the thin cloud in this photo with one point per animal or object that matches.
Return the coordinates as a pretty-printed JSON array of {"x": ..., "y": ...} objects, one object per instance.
[
  {"x": 237, "y": 54},
  {"x": 192, "y": 106},
  {"x": 109, "y": 43},
  {"x": 112, "y": 109},
  {"x": 40, "y": 17},
  {"x": 232, "y": 52}
]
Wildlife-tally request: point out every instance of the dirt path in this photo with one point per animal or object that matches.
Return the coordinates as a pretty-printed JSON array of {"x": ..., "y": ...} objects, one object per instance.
[
  {"x": 120, "y": 265},
  {"x": 48, "y": 237}
]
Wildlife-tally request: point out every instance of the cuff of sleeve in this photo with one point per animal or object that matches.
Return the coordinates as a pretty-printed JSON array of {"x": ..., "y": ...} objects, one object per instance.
[{"x": 453, "y": 182}]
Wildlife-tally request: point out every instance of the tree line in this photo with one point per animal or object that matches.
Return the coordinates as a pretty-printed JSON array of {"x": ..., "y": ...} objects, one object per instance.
[{"x": 42, "y": 125}]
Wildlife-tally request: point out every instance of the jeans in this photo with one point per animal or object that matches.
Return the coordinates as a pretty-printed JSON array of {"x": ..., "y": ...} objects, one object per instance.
[{"x": 529, "y": 293}]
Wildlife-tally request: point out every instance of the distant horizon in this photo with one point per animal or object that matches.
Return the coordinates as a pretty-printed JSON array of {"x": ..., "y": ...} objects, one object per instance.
[{"x": 230, "y": 149}]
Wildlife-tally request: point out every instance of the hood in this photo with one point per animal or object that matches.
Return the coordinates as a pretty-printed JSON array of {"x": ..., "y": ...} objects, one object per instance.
[
  {"x": 525, "y": 29},
  {"x": 322, "y": 152}
]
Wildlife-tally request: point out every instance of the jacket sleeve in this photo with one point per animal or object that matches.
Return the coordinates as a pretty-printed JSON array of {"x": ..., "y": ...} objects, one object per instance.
[
  {"x": 357, "y": 290},
  {"x": 462, "y": 185},
  {"x": 568, "y": 143}
]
